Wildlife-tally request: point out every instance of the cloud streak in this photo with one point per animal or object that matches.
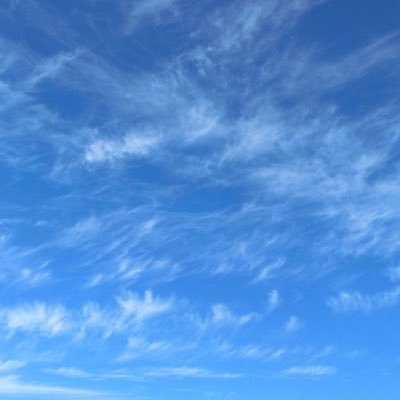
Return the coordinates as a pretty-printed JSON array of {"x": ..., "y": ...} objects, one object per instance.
[{"x": 347, "y": 302}]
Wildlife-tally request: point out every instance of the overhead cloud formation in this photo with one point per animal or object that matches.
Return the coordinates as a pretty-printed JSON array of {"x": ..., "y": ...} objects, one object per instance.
[
  {"x": 312, "y": 371},
  {"x": 131, "y": 145},
  {"x": 13, "y": 386},
  {"x": 204, "y": 193},
  {"x": 355, "y": 301}
]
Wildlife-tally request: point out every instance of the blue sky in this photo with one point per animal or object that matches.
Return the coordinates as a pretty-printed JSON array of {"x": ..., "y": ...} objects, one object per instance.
[{"x": 199, "y": 199}]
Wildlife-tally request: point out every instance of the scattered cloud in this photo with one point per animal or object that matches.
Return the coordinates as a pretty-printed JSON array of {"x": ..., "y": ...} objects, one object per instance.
[
  {"x": 347, "y": 302},
  {"x": 189, "y": 372},
  {"x": 139, "y": 347},
  {"x": 150, "y": 144},
  {"x": 142, "y": 11},
  {"x": 310, "y": 371},
  {"x": 13, "y": 385},
  {"x": 48, "y": 320},
  {"x": 221, "y": 314},
  {"x": 293, "y": 324},
  {"x": 142, "y": 309},
  {"x": 10, "y": 365},
  {"x": 110, "y": 150},
  {"x": 269, "y": 271},
  {"x": 394, "y": 274},
  {"x": 70, "y": 372},
  {"x": 130, "y": 311},
  {"x": 274, "y": 300}
]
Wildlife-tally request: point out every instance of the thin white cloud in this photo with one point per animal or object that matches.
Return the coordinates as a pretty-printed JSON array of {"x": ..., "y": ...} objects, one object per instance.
[
  {"x": 81, "y": 231},
  {"x": 141, "y": 11},
  {"x": 310, "y": 371},
  {"x": 48, "y": 320},
  {"x": 10, "y": 365},
  {"x": 70, "y": 372},
  {"x": 269, "y": 271},
  {"x": 346, "y": 302},
  {"x": 33, "y": 277},
  {"x": 110, "y": 150},
  {"x": 293, "y": 324},
  {"x": 141, "y": 309},
  {"x": 394, "y": 274},
  {"x": 221, "y": 315},
  {"x": 131, "y": 312},
  {"x": 139, "y": 347},
  {"x": 13, "y": 385},
  {"x": 273, "y": 301},
  {"x": 49, "y": 68},
  {"x": 189, "y": 372}
]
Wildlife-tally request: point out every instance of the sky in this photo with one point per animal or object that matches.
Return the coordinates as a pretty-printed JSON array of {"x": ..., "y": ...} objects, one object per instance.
[{"x": 199, "y": 199}]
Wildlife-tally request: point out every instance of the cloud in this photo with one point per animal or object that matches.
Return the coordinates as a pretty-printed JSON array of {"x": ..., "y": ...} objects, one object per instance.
[
  {"x": 250, "y": 351},
  {"x": 310, "y": 371},
  {"x": 222, "y": 317},
  {"x": 346, "y": 302},
  {"x": 238, "y": 24},
  {"x": 130, "y": 146},
  {"x": 141, "y": 309},
  {"x": 49, "y": 68},
  {"x": 270, "y": 271},
  {"x": 394, "y": 274},
  {"x": 189, "y": 372},
  {"x": 130, "y": 311},
  {"x": 139, "y": 347},
  {"x": 48, "y": 320},
  {"x": 226, "y": 154},
  {"x": 70, "y": 372},
  {"x": 141, "y": 11},
  {"x": 293, "y": 324},
  {"x": 274, "y": 300},
  {"x": 13, "y": 385},
  {"x": 33, "y": 277},
  {"x": 83, "y": 230},
  {"x": 10, "y": 365}
]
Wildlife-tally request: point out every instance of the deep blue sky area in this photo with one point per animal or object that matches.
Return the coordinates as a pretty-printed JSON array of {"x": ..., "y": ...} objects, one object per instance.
[{"x": 199, "y": 199}]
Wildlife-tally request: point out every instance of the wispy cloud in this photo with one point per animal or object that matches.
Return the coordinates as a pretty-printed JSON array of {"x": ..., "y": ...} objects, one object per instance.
[
  {"x": 310, "y": 371},
  {"x": 139, "y": 12},
  {"x": 139, "y": 347},
  {"x": 110, "y": 150},
  {"x": 130, "y": 311},
  {"x": 142, "y": 309},
  {"x": 346, "y": 302},
  {"x": 41, "y": 318},
  {"x": 221, "y": 316},
  {"x": 394, "y": 274},
  {"x": 273, "y": 301},
  {"x": 270, "y": 270},
  {"x": 189, "y": 372},
  {"x": 13, "y": 385},
  {"x": 33, "y": 277},
  {"x": 10, "y": 365},
  {"x": 70, "y": 372},
  {"x": 152, "y": 144},
  {"x": 293, "y": 324}
]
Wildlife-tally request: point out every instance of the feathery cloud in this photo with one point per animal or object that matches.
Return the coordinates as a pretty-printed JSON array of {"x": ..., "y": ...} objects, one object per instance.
[
  {"x": 346, "y": 302},
  {"x": 311, "y": 371}
]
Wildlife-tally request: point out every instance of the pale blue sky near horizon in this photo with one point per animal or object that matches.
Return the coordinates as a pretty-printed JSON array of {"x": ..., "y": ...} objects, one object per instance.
[{"x": 199, "y": 199}]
